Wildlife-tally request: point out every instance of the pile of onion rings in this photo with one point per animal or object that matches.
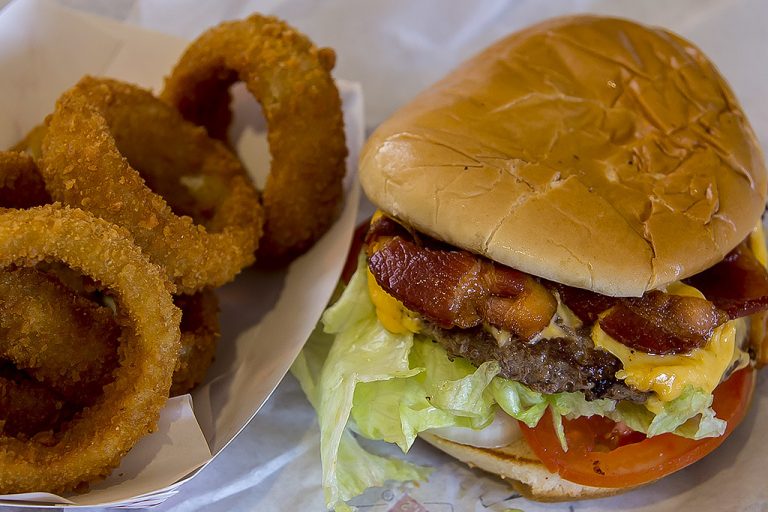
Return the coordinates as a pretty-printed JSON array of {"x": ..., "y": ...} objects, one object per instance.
[{"x": 120, "y": 214}]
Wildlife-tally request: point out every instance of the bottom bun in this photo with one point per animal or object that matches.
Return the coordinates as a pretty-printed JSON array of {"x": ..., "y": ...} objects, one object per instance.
[{"x": 522, "y": 469}]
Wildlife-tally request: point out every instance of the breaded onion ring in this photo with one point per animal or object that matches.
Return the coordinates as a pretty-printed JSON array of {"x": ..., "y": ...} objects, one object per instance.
[
  {"x": 26, "y": 406},
  {"x": 63, "y": 340},
  {"x": 32, "y": 143},
  {"x": 291, "y": 80},
  {"x": 199, "y": 337},
  {"x": 108, "y": 145},
  {"x": 21, "y": 184},
  {"x": 58, "y": 331},
  {"x": 95, "y": 440}
]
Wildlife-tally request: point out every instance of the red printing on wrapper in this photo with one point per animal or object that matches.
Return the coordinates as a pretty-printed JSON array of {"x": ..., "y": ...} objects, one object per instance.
[{"x": 407, "y": 504}]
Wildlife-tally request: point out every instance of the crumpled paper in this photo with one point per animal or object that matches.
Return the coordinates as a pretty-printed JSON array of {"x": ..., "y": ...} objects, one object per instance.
[{"x": 394, "y": 49}]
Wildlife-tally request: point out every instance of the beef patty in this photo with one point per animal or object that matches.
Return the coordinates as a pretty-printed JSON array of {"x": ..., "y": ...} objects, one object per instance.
[{"x": 552, "y": 365}]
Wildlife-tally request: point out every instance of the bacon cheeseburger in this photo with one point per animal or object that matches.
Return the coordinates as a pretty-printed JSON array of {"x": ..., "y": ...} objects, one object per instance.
[{"x": 565, "y": 284}]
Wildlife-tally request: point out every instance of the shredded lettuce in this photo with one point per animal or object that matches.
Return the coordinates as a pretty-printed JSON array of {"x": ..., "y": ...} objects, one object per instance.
[
  {"x": 364, "y": 379},
  {"x": 355, "y": 468},
  {"x": 519, "y": 401},
  {"x": 689, "y": 415}
]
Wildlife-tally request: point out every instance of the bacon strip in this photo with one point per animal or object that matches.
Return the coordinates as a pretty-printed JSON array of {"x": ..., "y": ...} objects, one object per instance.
[
  {"x": 661, "y": 323},
  {"x": 656, "y": 323},
  {"x": 585, "y": 304},
  {"x": 454, "y": 288},
  {"x": 738, "y": 285},
  {"x": 385, "y": 227}
]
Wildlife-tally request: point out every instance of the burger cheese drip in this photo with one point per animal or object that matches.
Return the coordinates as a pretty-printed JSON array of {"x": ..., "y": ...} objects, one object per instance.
[
  {"x": 757, "y": 245},
  {"x": 656, "y": 323},
  {"x": 737, "y": 287},
  {"x": 391, "y": 313},
  {"x": 668, "y": 374},
  {"x": 758, "y": 325}
]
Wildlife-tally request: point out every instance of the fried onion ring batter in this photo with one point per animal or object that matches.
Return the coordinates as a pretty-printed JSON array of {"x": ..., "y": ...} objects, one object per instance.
[
  {"x": 21, "y": 184},
  {"x": 63, "y": 340},
  {"x": 32, "y": 142},
  {"x": 26, "y": 406},
  {"x": 291, "y": 79},
  {"x": 116, "y": 151},
  {"x": 199, "y": 337},
  {"x": 90, "y": 445}
]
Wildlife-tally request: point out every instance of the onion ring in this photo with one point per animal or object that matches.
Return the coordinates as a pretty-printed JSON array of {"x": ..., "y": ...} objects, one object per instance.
[
  {"x": 32, "y": 143},
  {"x": 70, "y": 342},
  {"x": 60, "y": 339},
  {"x": 21, "y": 184},
  {"x": 199, "y": 337},
  {"x": 94, "y": 441},
  {"x": 291, "y": 80},
  {"x": 63, "y": 340},
  {"x": 108, "y": 144},
  {"x": 26, "y": 406}
]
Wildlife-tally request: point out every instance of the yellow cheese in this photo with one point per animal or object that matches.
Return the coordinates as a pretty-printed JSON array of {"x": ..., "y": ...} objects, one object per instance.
[
  {"x": 757, "y": 244},
  {"x": 667, "y": 375},
  {"x": 395, "y": 317},
  {"x": 392, "y": 314},
  {"x": 758, "y": 323},
  {"x": 563, "y": 316}
]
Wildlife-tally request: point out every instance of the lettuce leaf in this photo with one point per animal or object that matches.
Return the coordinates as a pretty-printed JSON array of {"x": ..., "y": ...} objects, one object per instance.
[
  {"x": 358, "y": 469},
  {"x": 689, "y": 415},
  {"x": 395, "y": 411},
  {"x": 364, "y": 379},
  {"x": 519, "y": 401}
]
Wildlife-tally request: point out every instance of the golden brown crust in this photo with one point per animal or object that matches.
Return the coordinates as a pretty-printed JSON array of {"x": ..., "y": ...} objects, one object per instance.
[
  {"x": 290, "y": 77},
  {"x": 113, "y": 149},
  {"x": 200, "y": 334},
  {"x": 95, "y": 441},
  {"x": 578, "y": 150},
  {"x": 518, "y": 465},
  {"x": 21, "y": 184}
]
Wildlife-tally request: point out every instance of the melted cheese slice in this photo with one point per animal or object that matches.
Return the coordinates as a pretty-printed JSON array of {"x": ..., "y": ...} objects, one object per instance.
[
  {"x": 758, "y": 324},
  {"x": 563, "y": 316},
  {"x": 392, "y": 314},
  {"x": 757, "y": 244},
  {"x": 667, "y": 375}
]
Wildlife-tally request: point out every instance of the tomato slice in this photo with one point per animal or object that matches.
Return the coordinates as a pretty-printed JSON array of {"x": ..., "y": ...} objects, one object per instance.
[{"x": 601, "y": 454}]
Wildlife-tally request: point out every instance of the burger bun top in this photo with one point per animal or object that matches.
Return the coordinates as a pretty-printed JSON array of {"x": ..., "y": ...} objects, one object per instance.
[{"x": 591, "y": 151}]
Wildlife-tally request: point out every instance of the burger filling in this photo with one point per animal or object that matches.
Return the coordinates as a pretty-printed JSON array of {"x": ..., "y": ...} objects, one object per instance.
[
  {"x": 428, "y": 337},
  {"x": 554, "y": 338}
]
